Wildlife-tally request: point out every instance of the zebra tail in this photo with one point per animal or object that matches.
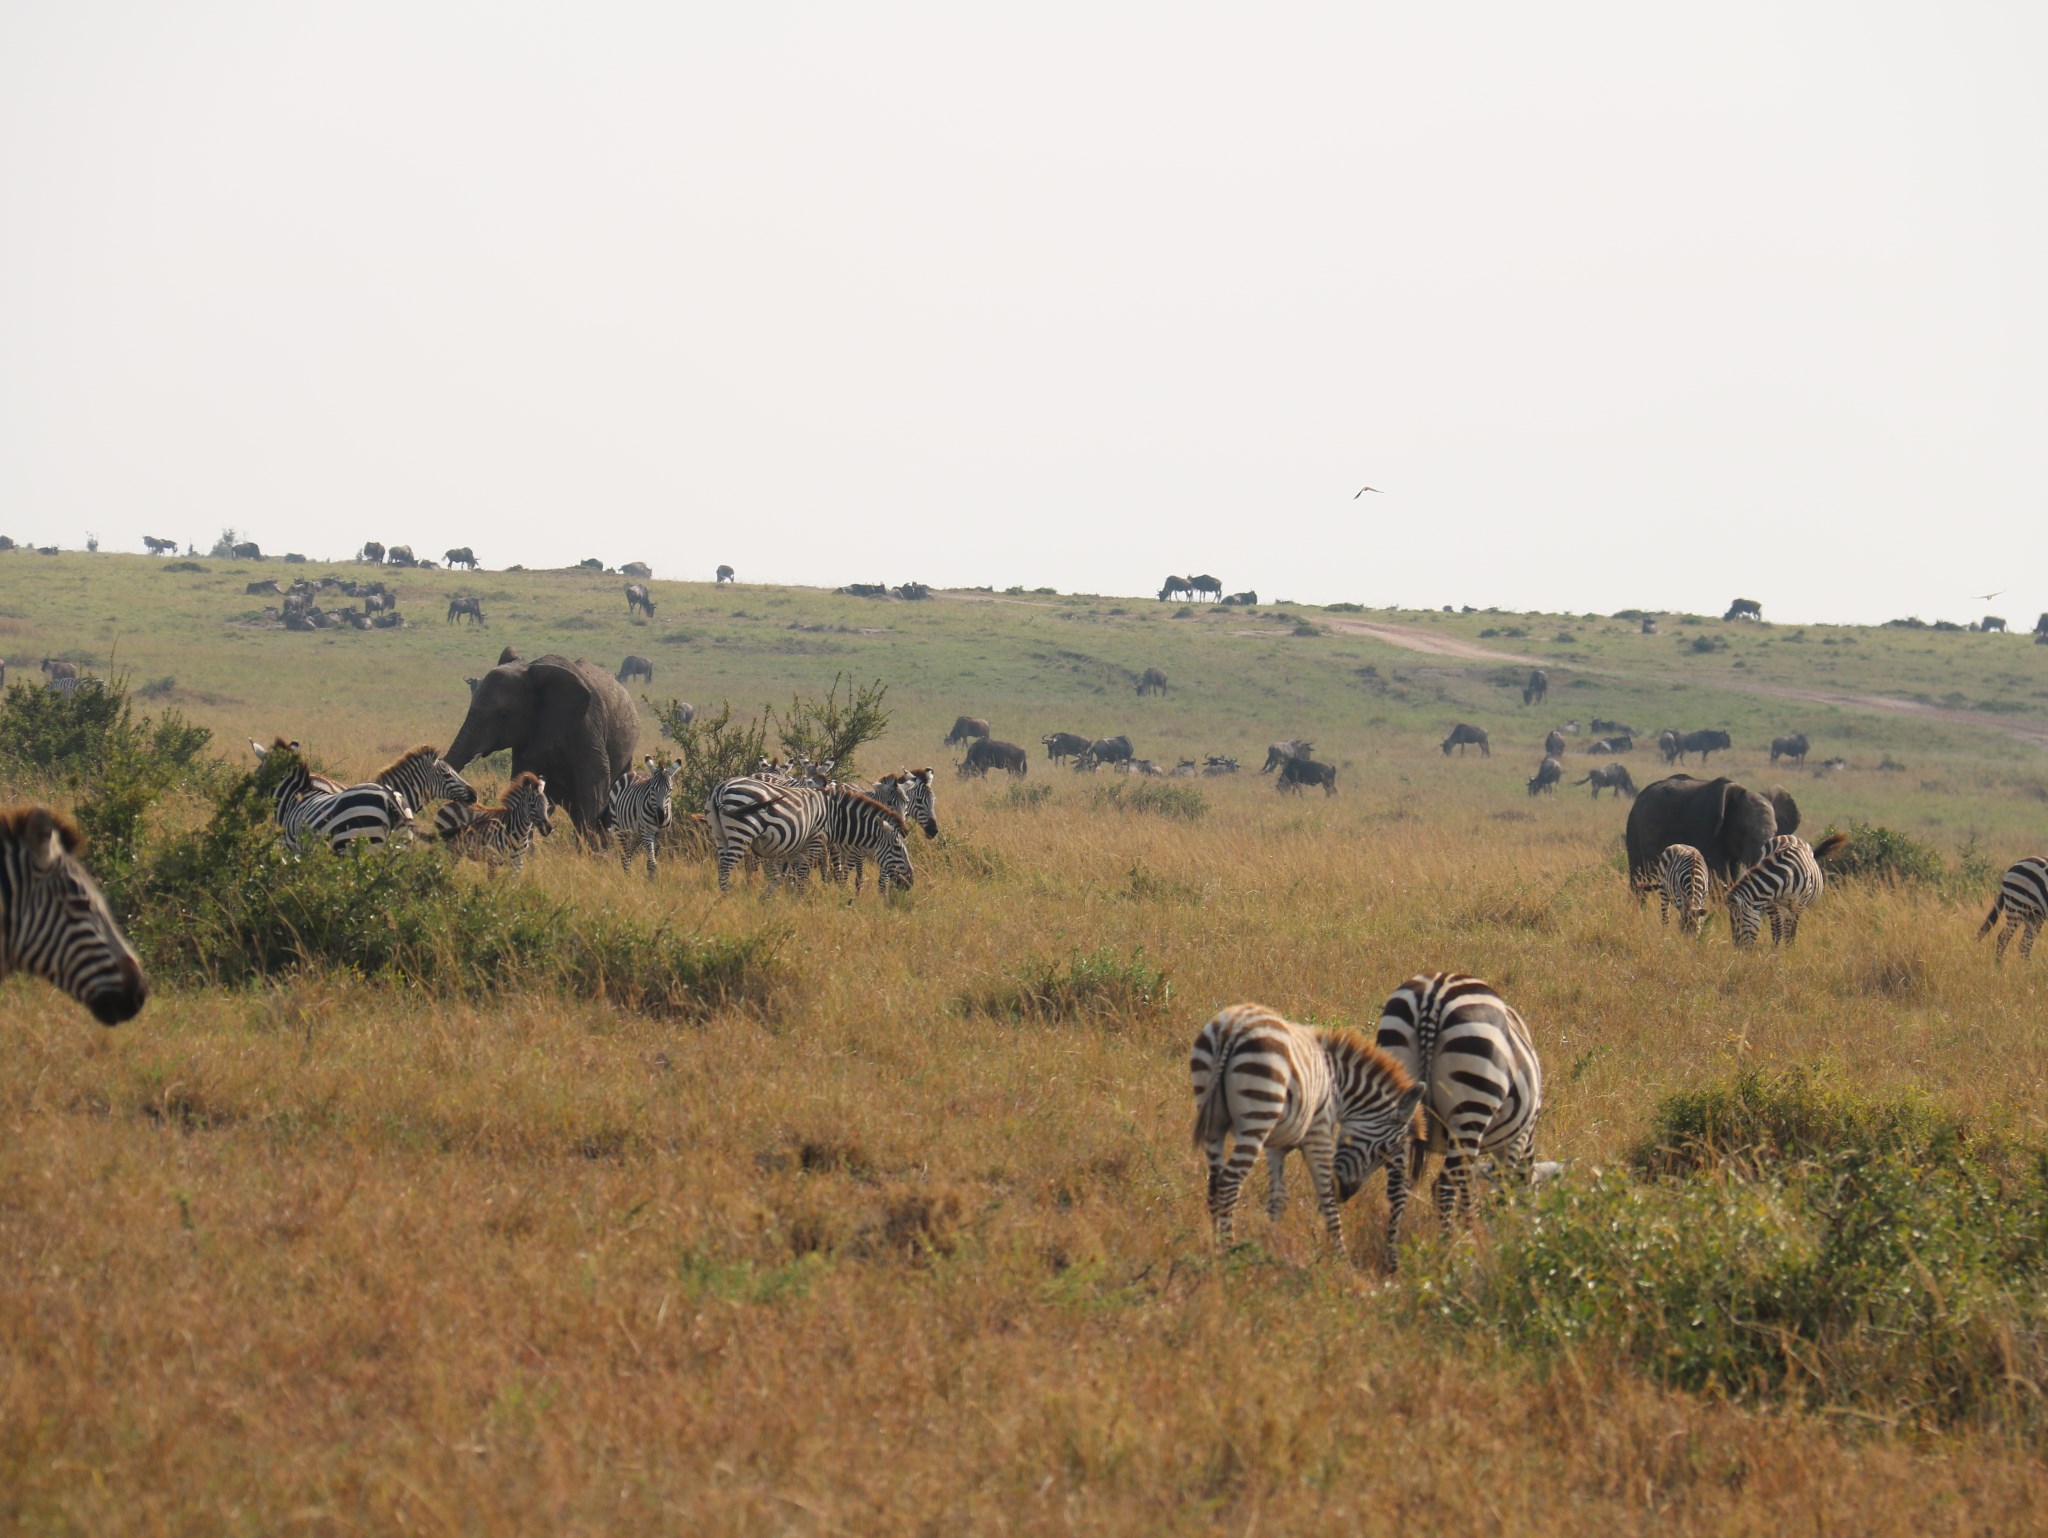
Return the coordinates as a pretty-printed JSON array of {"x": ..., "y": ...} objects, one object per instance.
[
  {"x": 1212, "y": 1112},
  {"x": 1830, "y": 845},
  {"x": 1991, "y": 918}
]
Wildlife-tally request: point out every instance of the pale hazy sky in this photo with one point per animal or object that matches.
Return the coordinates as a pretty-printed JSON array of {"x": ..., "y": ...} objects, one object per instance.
[{"x": 1620, "y": 304}]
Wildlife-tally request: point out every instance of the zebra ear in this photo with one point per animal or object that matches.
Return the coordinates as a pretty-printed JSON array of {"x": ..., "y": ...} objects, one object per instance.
[
  {"x": 1409, "y": 1102},
  {"x": 48, "y": 839}
]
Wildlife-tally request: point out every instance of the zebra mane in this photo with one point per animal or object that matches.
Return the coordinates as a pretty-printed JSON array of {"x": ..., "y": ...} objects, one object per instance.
[
  {"x": 403, "y": 759},
  {"x": 1367, "y": 1056},
  {"x": 524, "y": 777},
  {"x": 895, "y": 817},
  {"x": 16, "y": 821}
]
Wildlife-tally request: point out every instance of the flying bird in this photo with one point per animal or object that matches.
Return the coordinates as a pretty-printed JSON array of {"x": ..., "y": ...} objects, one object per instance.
[
  {"x": 1987, "y": 597},
  {"x": 1363, "y": 490}
]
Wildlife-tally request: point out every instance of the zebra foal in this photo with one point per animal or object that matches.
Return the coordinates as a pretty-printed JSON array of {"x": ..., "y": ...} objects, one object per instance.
[
  {"x": 859, "y": 828},
  {"x": 1473, "y": 1056},
  {"x": 55, "y": 924},
  {"x": 1265, "y": 1084},
  {"x": 507, "y": 832},
  {"x": 2022, "y": 901},
  {"x": 641, "y": 807},
  {"x": 1683, "y": 883}
]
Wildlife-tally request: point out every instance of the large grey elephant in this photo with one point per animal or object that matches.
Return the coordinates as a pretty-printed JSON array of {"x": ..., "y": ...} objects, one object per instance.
[
  {"x": 1728, "y": 823},
  {"x": 571, "y": 723}
]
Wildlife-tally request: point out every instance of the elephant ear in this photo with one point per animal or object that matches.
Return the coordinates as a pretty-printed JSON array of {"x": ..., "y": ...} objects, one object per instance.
[
  {"x": 1786, "y": 808},
  {"x": 559, "y": 691}
]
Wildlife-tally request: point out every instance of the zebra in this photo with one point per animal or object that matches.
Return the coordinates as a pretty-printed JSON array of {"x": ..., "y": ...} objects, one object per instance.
[
  {"x": 2023, "y": 901},
  {"x": 1682, "y": 883},
  {"x": 1273, "y": 1085},
  {"x": 781, "y": 824},
  {"x": 1782, "y": 885},
  {"x": 641, "y": 807},
  {"x": 1464, "y": 1043},
  {"x": 325, "y": 784},
  {"x": 501, "y": 832},
  {"x": 909, "y": 791},
  {"x": 366, "y": 813},
  {"x": 55, "y": 924},
  {"x": 423, "y": 775},
  {"x": 860, "y": 827}
]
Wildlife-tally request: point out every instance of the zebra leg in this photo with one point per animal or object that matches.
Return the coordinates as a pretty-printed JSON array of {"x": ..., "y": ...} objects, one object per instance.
[
  {"x": 1792, "y": 916},
  {"x": 648, "y": 839},
  {"x": 2027, "y": 939},
  {"x": 728, "y": 857},
  {"x": 1243, "y": 1155},
  {"x": 1320, "y": 1150},
  {"x": 1402, "y": 1174},
  {"x": 625, "y": 850},
  {"x": 1276, "y": 1182},
  {"x": 1777, "y": 927},
  {"x": 1663, "y": 909}
]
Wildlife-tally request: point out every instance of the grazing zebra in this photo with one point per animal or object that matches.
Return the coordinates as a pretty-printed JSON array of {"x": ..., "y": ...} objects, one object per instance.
[
  {"x": 781, "y": 824},
  {"x": 2023, "y": 900},
  {"x": 55, "y": 924},
  {"x": 1782, "y": 885},
  {"x": 859, "y": 828},
  {"x": 641, "y": 807},
  {"x": 1682, "y": 883},
  {"x": 1273, "y": 1085},
  {"x": 1463, "y": 1042},
  {"x": 501, "y": 832},
  {"x": 366, "y": 813}
]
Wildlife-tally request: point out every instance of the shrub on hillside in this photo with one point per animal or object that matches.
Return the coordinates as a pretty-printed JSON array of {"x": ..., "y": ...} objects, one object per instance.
[
  {"x": 1876, "y": 852},
  {"x": 1096, "y": 985},
  {"x": 716, "y": 747}
]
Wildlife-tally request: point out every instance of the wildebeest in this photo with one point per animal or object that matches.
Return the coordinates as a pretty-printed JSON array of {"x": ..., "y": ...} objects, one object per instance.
[
  {"x": 639, "y": 569},
  {"x": 1667, "y": 744},
  {"x": 1614, "y": 777},
  {"x": 1703, "y": 743},
  {"x": 1792, "y": 747},
  {"x": 266, "y": 589},
  {"x": 401, "y": 555},
  {"x": 2041, "y": 627},
  {"x": 1152, "y": 681},
  {"x": 1536, "y": 688},
  {"x": 1174, "y": 587},
  {"x": 157, "y": 546},
  {"x": 1745, "y": 608},
  {"x": 461, "y": 555},
  {"x": 380, "y": 602},
  {"x": 1277, "y": 753},
  {"x": 725, "y": 574},
  {"x": 457, "y": 607},
  {"x": 866, "y": 589},
  {"x": 1463, "y": 736},
  {"x": 1297, "y": 772},
  {"x": 247, "y": 550},
  {"x": 985, "y": 753},
  {"x": 1245, "y": 600},
  {"x": 636, "y": 667},
  {"x": 1612, "y": 745},
  {"x": 966, "y": 727},
  {"x": 1554, "y": 743},
  {"x": 1649, "y": 625},
  {"x": 55, "y": 670},
  {"x": 1991, "y": 622},
  {"x": 636, "y": 598},
  {"x": 1059, "y": 745},
  {"x": 1106, "y": 750},
  {"x": 1548, "y": 773},
  {"x": 911, "y": 591},
  {"x": 388, "y": 621},
  {"x": 371, "y": 552},
  {"x": 1212, "y": 765},
  {"x": 1206, "y": 584}
]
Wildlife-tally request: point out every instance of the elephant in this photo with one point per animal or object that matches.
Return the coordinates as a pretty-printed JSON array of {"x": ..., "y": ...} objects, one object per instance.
[
  {"x": 571, "y": 723},
  {"x": 1728, "y": 823}
]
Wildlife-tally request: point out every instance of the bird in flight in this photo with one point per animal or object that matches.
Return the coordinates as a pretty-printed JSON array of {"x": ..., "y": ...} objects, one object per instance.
[
  {"x": 1987, "y": 597},
  {"x": 1362, "y": 491}
]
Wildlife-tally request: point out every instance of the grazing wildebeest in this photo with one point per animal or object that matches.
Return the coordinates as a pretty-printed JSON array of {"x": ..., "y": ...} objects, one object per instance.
[
  {"x": 1667, "y": 744},
  {"x": 157, "y": 546},
  {"x": 1277, "y": 753},
  {"x": 1536, "y": 688},
  {"x": 1991, "y": 622},
  {"x": 457, "y": 607},
  {"x": 636, "y": 667},
  {"x": 639, "y": 569},
  {"x": 371, "y": 552},
  {"x": 636, "y": 598},
  {"x": 1554, "y": 743},
  {"x": 1548, "y": 773},
  {"x": 1702, "y": 743},
  {"x": 1612, "y": 745},
  {"x": 401, "y": 555},
  {"x": 985, "y": 753},
  {"x": 1106, "y": 750},
  {"x": 725, "y": 574},
  {"x": 1614, "y": 777},
  {"x": 1173, "y": 587},
  {"x": 1745, "y": 608},
  {"x": 1793, "y": 747},
  {"x": 461, "y": 555},
  {"x": 1206, "y": 584},
  {"x": 965, "y": 728},
  {"x": 1152, "y": 681},
  {"x": 1059, "y": 745},
  {"x": 1463, "y": 736},
  {"x": 55, "y": 670},
  {"x": 1297, "y": 772},
  {"x": 247, "y": 550}
]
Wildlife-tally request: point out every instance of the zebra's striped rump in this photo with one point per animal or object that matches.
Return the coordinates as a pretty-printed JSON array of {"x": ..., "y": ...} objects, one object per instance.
[
  {"x": 366, "y": 813},
  {"x": 1264, "y": 1083},
  {"x": 782, "y": 825},
  {"x": 1683, "y": 882},
  {"x": 1781, "y": 887},
  {"x": 1473, "y": 1055},
  {"x": 2022, "y": 902},
  {"x": 55, "y": 924}
]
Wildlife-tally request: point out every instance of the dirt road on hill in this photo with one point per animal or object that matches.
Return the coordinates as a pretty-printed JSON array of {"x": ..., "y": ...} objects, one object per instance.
[{"x": 1421, "y": 640}]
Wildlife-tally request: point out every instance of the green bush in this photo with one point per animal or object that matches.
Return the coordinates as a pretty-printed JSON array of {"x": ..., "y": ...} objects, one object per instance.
[
  {"x": 1807, "y": 1244},
  {"x": 223, "y": 906},
  {"x": 1098, "y": 985},
  {"x": 715, "y": 748},
  {"x": 1876, "y": 852}
]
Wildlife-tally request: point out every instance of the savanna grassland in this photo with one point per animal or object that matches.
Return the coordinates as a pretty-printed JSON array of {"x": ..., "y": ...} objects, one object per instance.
[{"x": 907, "y": 1235}]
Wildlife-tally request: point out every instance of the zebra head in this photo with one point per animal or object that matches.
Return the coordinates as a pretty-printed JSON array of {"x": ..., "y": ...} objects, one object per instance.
[
  {"x": 57, "y": 925},
  {"x": 920, "y": 804},
  {"x": 1377, "y": 1110},
  {"x": 526, "y": 804},
  {"x": 449, "y": 785}
]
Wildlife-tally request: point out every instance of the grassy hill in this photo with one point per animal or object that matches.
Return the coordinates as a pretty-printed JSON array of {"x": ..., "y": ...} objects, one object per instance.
[{"x": 910, "y": 1235}]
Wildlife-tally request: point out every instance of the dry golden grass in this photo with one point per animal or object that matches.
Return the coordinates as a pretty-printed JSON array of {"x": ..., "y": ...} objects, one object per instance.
[{"x": 334, "y": 1259}]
